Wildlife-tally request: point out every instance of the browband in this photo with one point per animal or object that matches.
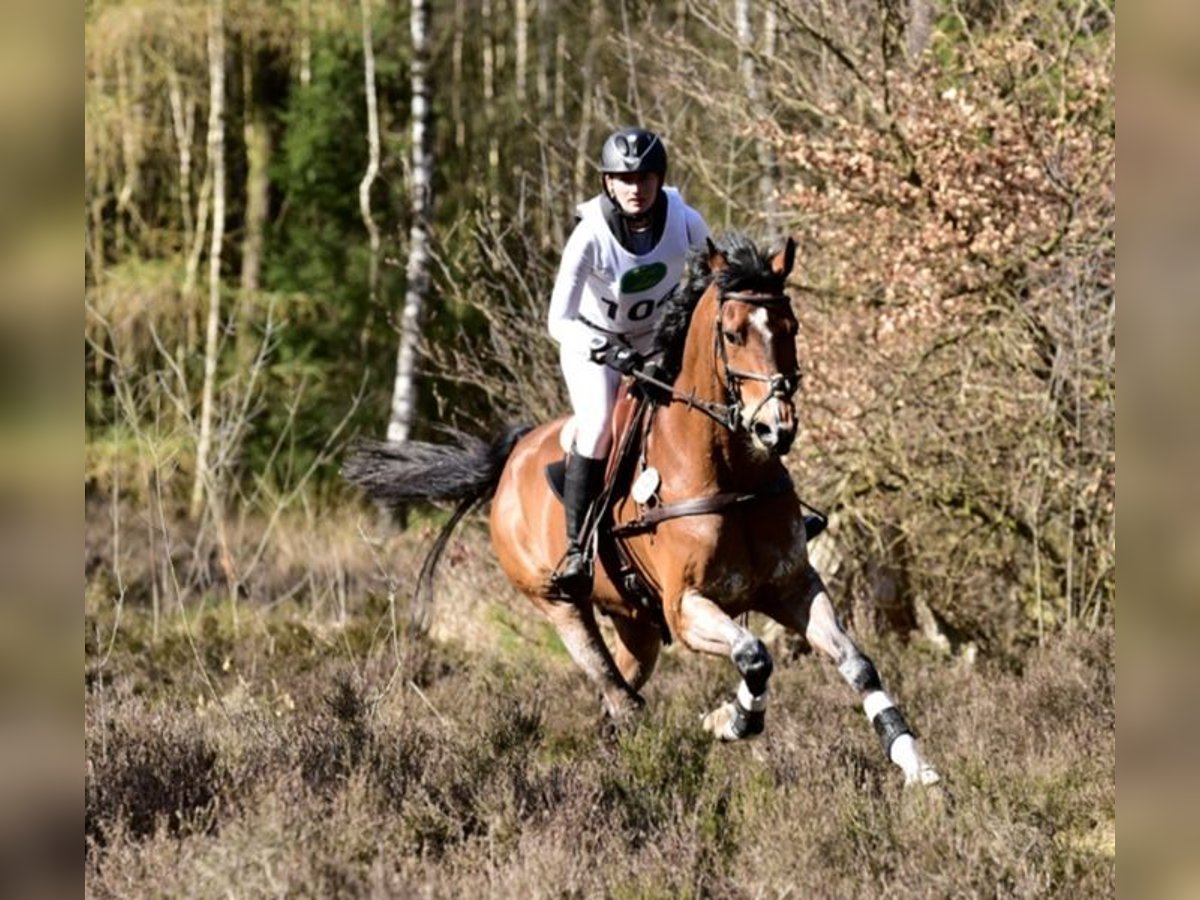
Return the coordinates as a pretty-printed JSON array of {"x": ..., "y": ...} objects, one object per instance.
[{"x": 756, "y": 298}]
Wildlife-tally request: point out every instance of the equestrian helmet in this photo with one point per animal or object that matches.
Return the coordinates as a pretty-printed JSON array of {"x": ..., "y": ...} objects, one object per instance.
[{"x": 633, "y": 150}]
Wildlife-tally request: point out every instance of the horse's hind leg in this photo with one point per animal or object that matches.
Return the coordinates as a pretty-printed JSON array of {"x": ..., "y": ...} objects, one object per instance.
[
  {"x": 638, "y": 643},
  {"x": 817, "y": 620},
  {"x": 704, "y": 626},
  {"x": 577, "y": 628}
]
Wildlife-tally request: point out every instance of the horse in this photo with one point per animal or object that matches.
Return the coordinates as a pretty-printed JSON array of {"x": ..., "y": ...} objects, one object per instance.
[{"x": 716, "y": 529}]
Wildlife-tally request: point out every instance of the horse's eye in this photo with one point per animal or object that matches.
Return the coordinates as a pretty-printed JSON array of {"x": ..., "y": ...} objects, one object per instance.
[{"x": 733, "y": 337}]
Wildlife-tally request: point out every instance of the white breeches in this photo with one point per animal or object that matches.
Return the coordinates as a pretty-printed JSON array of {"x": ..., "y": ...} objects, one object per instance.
[{"x": 593, "y": 391}]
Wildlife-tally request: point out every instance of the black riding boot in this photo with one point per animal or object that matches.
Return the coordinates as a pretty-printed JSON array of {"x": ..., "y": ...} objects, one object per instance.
[{"x": 581, "y": 483}]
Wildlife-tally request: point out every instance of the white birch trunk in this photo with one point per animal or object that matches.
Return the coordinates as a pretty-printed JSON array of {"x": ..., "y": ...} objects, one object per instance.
[
  {"x": 364, "y": 187},
  {"x": 129, "y": 105},
  {"x": 550, "y": 217},
  {"x": 202, "y": 486},
  {"x": 521, "y": 59},
  {"x": 487, "y": 12},
  {"x": 404, "y": 392},
  {"x": 258, "y": 182},
  {"x": 305, "y": 43},
  {"x": 181, "y": 120}
]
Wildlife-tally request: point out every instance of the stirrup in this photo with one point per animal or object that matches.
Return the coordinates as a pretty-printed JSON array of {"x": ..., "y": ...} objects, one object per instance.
[{"x": 574, "y": 575}]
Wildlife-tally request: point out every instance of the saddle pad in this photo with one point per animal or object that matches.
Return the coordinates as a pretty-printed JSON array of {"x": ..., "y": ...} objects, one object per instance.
[
  {"x": 556, "y": 474},
  {"x": 622, "y": 415}
]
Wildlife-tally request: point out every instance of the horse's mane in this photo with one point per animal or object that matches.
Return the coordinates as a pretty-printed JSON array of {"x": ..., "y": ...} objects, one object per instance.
[{"x": 749, "y": 269}]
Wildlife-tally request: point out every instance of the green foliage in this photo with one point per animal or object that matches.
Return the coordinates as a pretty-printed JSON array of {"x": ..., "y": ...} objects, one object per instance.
[{"x": 954, "y": 211}]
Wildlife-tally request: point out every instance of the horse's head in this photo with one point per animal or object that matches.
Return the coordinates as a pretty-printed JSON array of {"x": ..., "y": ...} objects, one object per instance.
[{"x": 755, "y": 338}]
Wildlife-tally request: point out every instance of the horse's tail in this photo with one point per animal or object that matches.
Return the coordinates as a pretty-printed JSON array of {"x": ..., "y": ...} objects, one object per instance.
[{"x": 464, "y": 472}]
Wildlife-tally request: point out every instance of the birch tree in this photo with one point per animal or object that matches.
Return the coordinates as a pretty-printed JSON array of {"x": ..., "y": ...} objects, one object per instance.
[
  {"x": 257, "y": 139},
  {"x": 364, "y": 187},
  {"x": 216, "y": 154},
  {"x": 404, "y": 392}
]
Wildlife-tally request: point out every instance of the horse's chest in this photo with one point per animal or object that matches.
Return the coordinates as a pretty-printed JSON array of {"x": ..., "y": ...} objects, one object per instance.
[{"x": 749, "y": 556}]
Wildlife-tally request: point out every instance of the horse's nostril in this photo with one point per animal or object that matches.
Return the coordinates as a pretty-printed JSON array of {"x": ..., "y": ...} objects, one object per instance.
[{"x": 765, "y": 433}]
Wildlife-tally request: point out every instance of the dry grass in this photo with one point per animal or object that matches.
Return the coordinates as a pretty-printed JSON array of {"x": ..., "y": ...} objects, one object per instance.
[{"x": 296, "y": 752}]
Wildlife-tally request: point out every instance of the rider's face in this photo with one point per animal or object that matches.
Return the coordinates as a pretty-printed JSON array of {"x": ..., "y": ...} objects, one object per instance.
[{"x": 635, "y": 192}]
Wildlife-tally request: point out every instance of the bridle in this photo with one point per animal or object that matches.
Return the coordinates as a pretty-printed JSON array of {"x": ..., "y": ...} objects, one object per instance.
[{"x": 781, "y": 385}]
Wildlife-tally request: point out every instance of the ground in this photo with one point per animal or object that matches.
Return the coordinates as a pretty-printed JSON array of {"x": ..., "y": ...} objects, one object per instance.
[{"x": 318, "y": 749}]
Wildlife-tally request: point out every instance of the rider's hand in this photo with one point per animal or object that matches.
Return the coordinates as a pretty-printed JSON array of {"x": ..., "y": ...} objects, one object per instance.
[{"x": 623, "y": 359}]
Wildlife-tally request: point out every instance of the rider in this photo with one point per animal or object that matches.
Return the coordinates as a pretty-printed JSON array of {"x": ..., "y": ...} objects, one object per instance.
[{"x": 625, "y": 256}]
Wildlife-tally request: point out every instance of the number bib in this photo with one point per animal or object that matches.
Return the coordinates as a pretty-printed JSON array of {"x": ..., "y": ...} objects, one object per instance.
[{"x": 624, "y": 292}]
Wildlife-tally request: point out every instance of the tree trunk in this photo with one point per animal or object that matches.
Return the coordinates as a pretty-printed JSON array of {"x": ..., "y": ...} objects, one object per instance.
[
  {"x": 258, "y": 182},
  {"x": 368, "y": 179},
  {"x": 489, "y": 109},
  {"x": 191, "y": 266},
  {"x": 181, "y": 119},
  {"x": 632, "y": 95},
  {"x": 305, "y": 43},
  {"x": 550, "y": 227},
  {"x": 129, "y": 101},
  {"x": 920, "y": 28},
  {"x": 521, "y": 58},
  {"x": 203, "y": 485},
  {"x": 583, "y": 149},
  {"x": 257, "y": 138},
  {"x": 100, "y": 186},
  {"x": 758, "y": 113},
  {"x": 404, "y": 393},
  {"x": 456, "y": 77}
]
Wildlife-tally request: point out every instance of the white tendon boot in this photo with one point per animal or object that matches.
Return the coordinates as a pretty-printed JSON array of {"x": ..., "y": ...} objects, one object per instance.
[{"x": 900, "y": 745}]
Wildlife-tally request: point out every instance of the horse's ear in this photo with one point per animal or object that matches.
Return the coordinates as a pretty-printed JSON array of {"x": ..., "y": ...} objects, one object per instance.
[
  {"x": 785, "y": 259},
  {"x": 716, "y": 259}
]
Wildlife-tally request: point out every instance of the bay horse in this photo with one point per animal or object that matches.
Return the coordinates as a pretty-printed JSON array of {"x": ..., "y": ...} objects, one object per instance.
[{"x": 718, "y": 532}]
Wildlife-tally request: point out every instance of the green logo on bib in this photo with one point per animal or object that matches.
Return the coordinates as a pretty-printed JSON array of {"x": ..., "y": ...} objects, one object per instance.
[{"x": 643, "y": 278}]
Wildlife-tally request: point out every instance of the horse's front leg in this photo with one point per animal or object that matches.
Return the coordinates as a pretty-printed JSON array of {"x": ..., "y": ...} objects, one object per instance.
[
  {"x": 704, "y": 626},
  {"x": 815, "y": 617},
  {"x": 577, "y": 629}
]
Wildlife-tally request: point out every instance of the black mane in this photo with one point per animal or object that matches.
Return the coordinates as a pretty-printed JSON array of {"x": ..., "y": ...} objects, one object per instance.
[{"x": 749, "y": 269}]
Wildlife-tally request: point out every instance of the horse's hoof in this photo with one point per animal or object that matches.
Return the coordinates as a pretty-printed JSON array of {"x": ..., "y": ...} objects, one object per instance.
[
  {"x": 624, "y": 710},
  {"x": 925, "y": 776},
  {"x": 729, "y": 722},
  {"x": 719, "y": 722}
]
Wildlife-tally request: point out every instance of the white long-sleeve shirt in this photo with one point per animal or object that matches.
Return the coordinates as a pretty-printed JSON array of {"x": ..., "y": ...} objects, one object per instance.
[{"x": 603, "y": 289}]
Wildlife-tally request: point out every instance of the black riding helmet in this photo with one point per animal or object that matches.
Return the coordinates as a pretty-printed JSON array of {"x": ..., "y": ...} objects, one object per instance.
[{"x": 633, "y": 150}]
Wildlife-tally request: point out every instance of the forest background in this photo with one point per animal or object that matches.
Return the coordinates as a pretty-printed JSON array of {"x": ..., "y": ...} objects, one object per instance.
[{"x": 946, "y": 166}]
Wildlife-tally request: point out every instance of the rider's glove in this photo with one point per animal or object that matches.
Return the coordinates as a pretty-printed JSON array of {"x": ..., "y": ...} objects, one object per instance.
[{"x": 623, "y": 359}]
